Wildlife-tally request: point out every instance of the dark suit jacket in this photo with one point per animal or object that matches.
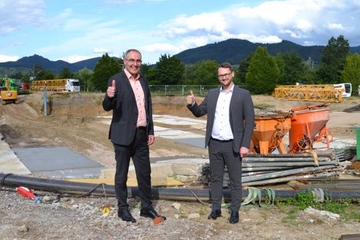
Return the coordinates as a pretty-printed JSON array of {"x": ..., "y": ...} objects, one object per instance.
[
  {"x": 242, "y": 117},
  {"x": 125, "y": 112}
]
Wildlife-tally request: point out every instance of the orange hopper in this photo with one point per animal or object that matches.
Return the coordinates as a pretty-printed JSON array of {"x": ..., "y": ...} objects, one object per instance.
[
  {"x": 308, "y": 126},
  {"x": 269, "y": 132}
]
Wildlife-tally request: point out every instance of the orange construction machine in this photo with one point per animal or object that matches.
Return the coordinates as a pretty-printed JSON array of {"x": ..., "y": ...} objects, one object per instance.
[{"x": 9, "y": 94}]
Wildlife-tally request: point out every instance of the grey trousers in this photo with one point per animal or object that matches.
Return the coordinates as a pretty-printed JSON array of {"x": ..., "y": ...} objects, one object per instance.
[{"x": 221, "y": 154}]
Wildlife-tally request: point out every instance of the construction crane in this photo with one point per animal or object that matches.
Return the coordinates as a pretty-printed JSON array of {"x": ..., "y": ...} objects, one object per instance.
[
  {"x": 56, "y": 85},
  {"x": 317, "y": 92}
]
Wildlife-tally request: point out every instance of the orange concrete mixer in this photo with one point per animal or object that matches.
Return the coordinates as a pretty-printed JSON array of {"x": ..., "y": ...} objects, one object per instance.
[
  {"x": 308, "y": 126},
  {"x": 269, "y": 132}
]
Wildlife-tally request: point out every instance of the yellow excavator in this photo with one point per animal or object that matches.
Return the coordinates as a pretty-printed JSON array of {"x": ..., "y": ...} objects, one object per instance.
[{"x": 9, "y": 94}]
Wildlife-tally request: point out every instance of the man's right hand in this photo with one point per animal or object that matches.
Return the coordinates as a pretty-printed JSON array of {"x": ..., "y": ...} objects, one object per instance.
[
  {"x": 111, "y": 90},
  {"x": 190, "y": 100}
]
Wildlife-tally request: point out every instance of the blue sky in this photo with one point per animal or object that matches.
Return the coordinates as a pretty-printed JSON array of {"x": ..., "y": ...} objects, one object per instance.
[{"x": 74, "y": 30}]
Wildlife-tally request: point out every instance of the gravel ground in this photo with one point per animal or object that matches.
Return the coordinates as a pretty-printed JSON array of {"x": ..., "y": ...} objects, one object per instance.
[
  {"x": 71, "y": 217},
  {"x": 82, "y": 218}
]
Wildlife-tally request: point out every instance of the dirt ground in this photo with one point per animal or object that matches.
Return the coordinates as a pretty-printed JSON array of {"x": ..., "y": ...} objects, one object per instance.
[{"x": 73, "y": 121}]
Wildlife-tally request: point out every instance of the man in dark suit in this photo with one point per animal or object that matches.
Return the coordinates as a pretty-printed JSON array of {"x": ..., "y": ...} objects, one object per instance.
[
  {"x": 131, "y": 133},
  {"x": 229, "y": 128}
]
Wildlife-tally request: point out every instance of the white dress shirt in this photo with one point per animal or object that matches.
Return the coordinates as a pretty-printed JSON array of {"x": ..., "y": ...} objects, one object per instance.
[{"x": 221, "y": 129}]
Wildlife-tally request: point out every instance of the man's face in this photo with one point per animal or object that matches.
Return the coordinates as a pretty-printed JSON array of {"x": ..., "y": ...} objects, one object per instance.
[
  {"x": 133, "y": 62},
  {"x": 225, "y": 76}
]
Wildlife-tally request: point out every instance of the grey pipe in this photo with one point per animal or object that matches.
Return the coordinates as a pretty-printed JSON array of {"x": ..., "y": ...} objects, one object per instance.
[
  {"x": 60, "y": 186},
  {"x": 284, "y": 173}
]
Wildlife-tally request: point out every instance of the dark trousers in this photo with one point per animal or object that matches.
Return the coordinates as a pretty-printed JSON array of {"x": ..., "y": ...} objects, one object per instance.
[
  {"x": 221, "y": 154},
  {"x": 138, "y": 150}
]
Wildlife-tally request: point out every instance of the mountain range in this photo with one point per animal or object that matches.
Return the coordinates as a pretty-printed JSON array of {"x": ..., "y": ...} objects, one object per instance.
[{"x": 231, "y": 50}]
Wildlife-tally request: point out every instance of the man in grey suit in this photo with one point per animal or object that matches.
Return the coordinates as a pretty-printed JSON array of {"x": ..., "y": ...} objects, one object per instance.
[
  {"x": 229, "y": 128},
  {"x": 131, "y": 133}
]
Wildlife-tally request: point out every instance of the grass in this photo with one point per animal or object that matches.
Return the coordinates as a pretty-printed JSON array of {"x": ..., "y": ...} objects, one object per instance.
[{"x": 348, "y": 209}]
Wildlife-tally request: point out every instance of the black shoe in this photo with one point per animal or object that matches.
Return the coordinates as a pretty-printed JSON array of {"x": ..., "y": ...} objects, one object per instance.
[
  {"x": 125, "y": 215},
  {"x": 150, "y": 213},
  {"x": 234, "y": 217},
  {"x": 215, "y": 213}
]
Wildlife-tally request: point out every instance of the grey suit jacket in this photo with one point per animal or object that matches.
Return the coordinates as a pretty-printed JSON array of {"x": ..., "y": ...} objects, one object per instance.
[
  {"x": 242, "y": 117},
  {"x": 125, "y": 112}
]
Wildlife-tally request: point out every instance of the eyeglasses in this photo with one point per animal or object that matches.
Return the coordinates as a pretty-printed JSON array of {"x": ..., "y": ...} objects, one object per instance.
[
  {"x": 132, "y": 61},
  {"x": 224, "y": 75}
]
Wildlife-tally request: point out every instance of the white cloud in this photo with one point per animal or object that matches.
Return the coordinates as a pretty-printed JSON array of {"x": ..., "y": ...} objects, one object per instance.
[
  {"x": 13, "y": 14},
  {"x": 76, "y": 34},
  {"x": 8, "y": 58},
  {"x": 210, "y": 23},
  {"x": 102, "y": 50},
  {"x": 75, "y": 58},
  {"x": 337, "y": 26},
  {"x": 164, "y": 47},
  {"x": 301, "y": 21}
]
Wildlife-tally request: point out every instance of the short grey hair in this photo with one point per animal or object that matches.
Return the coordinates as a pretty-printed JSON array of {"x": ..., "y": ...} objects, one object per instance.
[{"x": 131, "y": 50}]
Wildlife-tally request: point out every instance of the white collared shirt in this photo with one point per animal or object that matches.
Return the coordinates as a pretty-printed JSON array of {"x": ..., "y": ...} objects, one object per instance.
[{"x": 222, "y": 129}]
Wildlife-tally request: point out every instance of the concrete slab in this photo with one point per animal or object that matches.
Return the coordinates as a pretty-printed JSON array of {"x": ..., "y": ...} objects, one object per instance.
[
  {"x": 196, "y": 142},
  {"x": 61, "y": 162},
  {"x": 175, "y": 134},
  {"x": 9, "y": 162},
  {"x": 174, "y": 120},
  {"x": 58, "y": 162}
]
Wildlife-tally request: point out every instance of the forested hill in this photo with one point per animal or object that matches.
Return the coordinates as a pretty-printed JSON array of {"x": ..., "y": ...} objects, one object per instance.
[
  {"x": 236, "y": 50},
  {"x": 231, "y": 50}
]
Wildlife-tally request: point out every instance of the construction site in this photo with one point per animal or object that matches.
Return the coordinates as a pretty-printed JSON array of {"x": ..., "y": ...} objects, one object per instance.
[{"x": 296, "y": 144}]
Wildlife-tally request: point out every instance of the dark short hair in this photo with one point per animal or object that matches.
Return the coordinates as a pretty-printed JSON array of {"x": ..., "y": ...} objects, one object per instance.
[{"x": 225, "y": 65}]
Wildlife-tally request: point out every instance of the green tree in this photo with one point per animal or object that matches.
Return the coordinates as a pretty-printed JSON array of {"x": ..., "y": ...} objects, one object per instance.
[
  {"x": 104, "y": 69},
  {"x": 351, "y": 72},
  {"x": 16, "y": 75},
  {"x": 243, "y": 69},
  {"x": 188, "y": 77},
  {"x": 263, "y": 73},
  {"x": 204, "y": 73},
  {"x": 84, "y": 75},
  {"x": 45, "y": 74},
  {"x": 36, "y": 70},
  {"x": 25, "y": 78},
  {"x": 39, "y": 73},
  {"x": 66, "y": 73},
  {"x": 149, "y": 72},
  {"x": 292, "y": 68},
  {"x": 333, "y": 60},
  {"x": 169, "y": 70}
]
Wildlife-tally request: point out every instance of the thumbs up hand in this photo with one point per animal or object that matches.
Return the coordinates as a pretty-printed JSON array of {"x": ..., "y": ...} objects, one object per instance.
[
  {"x": 190, "y": 100},
  {"x": 111, "y": 90}
]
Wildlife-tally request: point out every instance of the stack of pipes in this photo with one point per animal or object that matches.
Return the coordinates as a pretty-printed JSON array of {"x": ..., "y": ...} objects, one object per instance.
[{"x": 260, "y": 169}]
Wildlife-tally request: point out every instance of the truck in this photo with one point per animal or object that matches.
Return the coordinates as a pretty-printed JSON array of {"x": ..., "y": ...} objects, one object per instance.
[
  {"x": 345, "y": 87},
  {"x": 9, "y": 93},
  {"x": 57, "y": 85}
]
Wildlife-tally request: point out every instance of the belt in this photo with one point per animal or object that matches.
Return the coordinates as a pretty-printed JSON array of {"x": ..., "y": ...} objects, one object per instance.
[
  {"x": 141, "y": 128},
  {"x": 230, "y": 140}
]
